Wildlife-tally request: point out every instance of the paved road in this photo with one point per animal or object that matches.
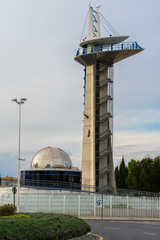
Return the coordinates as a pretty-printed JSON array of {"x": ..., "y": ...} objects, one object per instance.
[{"x": 120, "y": 230}]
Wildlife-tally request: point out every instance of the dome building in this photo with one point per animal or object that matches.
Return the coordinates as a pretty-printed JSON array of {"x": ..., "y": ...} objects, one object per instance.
[
  {"x": 51, "y": 167},
  {"x": 51, "y": 157}
]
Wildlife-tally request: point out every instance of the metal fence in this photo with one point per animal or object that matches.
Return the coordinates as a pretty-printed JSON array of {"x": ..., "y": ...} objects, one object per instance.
[
  {"x": 84, "y": 188},
  {"x": 84, "y": 204}
]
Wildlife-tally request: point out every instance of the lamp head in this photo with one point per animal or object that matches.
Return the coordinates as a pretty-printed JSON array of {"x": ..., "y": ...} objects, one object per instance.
[
  {"x": 23, "y": 99},
  {"x": 14, "y": 100}
]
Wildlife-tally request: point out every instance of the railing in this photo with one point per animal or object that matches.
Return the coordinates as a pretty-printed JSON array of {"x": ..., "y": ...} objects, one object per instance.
[
  {"x": 108, "y": 47},
  {"x": 84, "y": 203},
  {"x": 105, "y": 82},
  {"x": 82, "y": 187},
  {"x": 105, "y": 99},
  {"x": 106, "y": 115},
  {"x": 135, "y": 193},
  {"x": 104, "y": 134}
]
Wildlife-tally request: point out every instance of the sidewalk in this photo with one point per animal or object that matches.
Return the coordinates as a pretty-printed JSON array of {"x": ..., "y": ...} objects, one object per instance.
[
  {"x": 121, "y": 219},
  {"x": 89, "y": 236}
]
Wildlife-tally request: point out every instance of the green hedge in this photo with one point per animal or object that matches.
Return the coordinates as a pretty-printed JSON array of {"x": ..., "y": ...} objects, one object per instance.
[
  {"x": 43, "y": 226},
  {"x": 7, "y": 210}
]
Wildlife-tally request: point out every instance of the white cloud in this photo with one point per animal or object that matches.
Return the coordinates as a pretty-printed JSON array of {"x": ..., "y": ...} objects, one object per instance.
[{"x": 136, "y": 145}]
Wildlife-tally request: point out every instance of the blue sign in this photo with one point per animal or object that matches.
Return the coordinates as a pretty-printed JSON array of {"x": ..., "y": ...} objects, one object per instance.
[{"x": 99, "y": 203}]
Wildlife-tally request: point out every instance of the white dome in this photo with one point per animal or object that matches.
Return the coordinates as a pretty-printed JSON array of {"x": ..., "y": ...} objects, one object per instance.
[{"x": 51, "y": 157}]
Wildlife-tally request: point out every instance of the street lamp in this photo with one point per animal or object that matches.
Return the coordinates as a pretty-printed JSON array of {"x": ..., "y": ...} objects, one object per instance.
[{"x": 20, "y": 102}]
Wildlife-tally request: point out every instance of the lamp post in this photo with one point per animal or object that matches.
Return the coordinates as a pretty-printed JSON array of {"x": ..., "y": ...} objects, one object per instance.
[{"x": 20, "y": 102}]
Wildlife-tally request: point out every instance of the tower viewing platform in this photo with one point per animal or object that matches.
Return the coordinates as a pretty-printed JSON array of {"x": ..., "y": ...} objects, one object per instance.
[{"x": 110, "y": 52}]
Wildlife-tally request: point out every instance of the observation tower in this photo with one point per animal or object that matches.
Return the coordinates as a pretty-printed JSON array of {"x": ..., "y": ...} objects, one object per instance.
[{"x": 98, "y": 54}]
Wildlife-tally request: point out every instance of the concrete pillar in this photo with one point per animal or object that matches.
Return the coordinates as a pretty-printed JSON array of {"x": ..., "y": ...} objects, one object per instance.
[{"x": 88, "y": 151}]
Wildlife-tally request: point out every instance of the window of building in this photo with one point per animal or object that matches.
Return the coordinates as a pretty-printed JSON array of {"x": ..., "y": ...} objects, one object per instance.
[
  {"x": 107, "y": 160},
  {"x": 108, "y": 177}
]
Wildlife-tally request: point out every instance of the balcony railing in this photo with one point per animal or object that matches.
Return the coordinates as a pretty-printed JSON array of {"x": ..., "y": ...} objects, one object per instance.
[{"x": 108, "y": 47}]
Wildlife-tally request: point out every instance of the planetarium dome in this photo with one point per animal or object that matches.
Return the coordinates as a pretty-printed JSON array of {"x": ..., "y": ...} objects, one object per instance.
[{"x": 51, "y": 157}]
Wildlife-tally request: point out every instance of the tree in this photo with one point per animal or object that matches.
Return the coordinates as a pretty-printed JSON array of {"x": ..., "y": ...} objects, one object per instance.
[
  {"x": 133, "y": 175},
  {"x": 155, "y": 174},
  {"x": 144, "y": 175},
  {"x": 141, "y": 175},
  {"x": 121, "y": 174},
  {"x": 117, "y": 177},
  {"x": 145, "y": 179}
]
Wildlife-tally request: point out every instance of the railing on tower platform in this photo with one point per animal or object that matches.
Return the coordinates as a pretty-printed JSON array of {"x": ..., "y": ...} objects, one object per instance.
[{"x": 108, "y": 47}]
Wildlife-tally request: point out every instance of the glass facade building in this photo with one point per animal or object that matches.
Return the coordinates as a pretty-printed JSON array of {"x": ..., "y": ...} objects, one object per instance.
[{"x": 51, "y": 178}]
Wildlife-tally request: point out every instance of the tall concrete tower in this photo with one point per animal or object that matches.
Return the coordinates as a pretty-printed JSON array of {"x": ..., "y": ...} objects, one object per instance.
[{"x": 98, "y": 55}]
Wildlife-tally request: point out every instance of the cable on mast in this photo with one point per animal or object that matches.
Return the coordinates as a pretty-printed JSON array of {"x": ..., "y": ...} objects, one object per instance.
[
  {"x": 109, "y": 24},
  {"x": 105, "y": 28},
  {"x": 84, "y": 28}
]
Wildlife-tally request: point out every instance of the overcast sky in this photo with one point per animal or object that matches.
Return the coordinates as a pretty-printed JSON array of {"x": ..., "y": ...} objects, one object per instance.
[{"x": 38, "y": 42}]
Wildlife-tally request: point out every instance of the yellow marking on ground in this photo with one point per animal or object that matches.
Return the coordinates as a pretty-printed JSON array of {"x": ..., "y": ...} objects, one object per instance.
[{"x": 100, "y": 237}]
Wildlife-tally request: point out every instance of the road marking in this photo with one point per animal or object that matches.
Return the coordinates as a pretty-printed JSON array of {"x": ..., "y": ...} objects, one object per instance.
[
  {"x": 112, "y": 228},
  {"x": 153, "y": 234},
  {"x": 100, "y": 237}
]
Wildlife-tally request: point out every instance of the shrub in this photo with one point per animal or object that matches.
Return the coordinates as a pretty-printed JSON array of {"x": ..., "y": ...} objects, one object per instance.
[
  {"x": 17, "y": 216},
  {"x": 7, "y": 210},
  {"x": 42, "y": 226}
]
